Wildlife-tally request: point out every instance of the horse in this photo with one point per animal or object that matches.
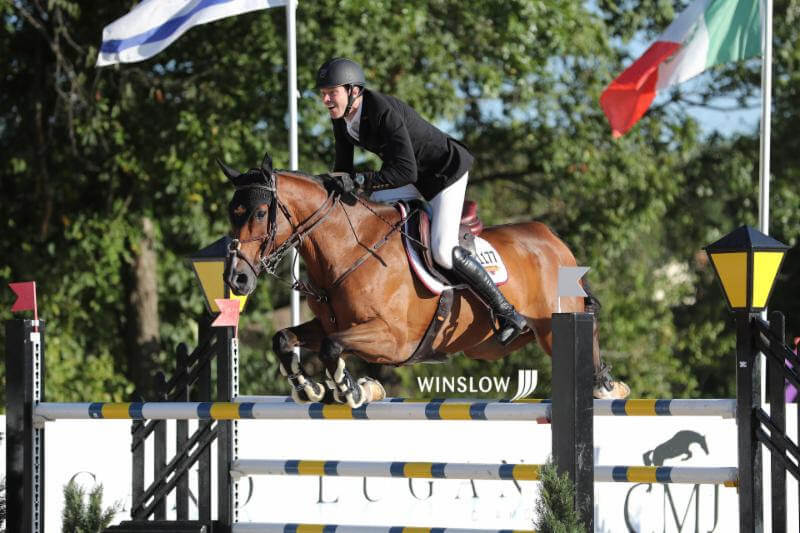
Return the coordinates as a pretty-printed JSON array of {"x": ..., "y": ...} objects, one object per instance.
[{"x": 364, "y": 296}]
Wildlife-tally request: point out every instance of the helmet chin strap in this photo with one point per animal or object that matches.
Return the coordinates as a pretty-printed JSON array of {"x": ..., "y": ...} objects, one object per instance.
[{"x": 350, "y": 100}]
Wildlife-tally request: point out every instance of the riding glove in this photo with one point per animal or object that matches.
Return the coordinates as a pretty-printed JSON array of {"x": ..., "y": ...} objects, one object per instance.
[
  {"x": 356, "y": 182},
  {"x": 340, "y": 182}
]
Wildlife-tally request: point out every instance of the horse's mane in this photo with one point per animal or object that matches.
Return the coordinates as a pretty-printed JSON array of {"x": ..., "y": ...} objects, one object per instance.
[
  {"x": 299, "y": 174},
  {"x": 380, "y": 207}
]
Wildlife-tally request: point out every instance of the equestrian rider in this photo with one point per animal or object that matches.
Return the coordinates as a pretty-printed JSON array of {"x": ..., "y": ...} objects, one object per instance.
[{"x": 416, "y": 158}]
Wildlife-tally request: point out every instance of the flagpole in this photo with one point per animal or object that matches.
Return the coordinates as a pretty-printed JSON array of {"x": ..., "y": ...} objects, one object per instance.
[
  {"x": 766, "y": 116},
  {"x": 291, "y": 45},
  {"x": 763, "y": 160}
]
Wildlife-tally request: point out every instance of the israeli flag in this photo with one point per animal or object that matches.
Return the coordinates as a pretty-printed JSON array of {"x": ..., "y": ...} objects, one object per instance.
[{"x": 153, "y": 25}]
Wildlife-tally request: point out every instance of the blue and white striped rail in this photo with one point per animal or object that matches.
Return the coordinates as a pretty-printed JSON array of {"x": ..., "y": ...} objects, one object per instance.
[
  {"x": 727, "y": 476},
  {"x": 279, "y": 408},
  {"x": 725, "y": 408},
  {"x": 254, "y": 527},
  {"x": 435, "y": 410},
  {"x": 711, "y": 475},
  {"x": 401, "y": 469}
]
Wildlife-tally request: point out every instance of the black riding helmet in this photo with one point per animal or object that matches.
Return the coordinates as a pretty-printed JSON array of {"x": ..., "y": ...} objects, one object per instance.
[{"x": 341, "y": 71}]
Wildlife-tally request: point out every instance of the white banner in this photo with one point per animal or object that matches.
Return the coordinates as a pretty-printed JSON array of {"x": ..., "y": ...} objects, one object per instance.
[{"x": 101, "y": 454}]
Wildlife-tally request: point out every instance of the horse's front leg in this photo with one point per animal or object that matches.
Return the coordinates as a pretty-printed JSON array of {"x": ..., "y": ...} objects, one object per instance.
[
  {"x": 372, "y": 341},
  {"x": 308, "y": 335}
]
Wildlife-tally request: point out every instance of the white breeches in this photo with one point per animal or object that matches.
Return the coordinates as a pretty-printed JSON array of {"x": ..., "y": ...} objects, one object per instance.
[{"x": 446, "y": 209}]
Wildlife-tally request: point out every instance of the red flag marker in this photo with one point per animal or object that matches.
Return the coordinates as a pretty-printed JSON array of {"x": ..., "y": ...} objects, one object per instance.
[
  {"x": 26, "y": 297},
  {"x": 228, "y": 314}
]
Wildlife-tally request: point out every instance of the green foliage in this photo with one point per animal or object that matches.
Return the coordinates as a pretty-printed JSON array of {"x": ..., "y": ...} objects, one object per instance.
[
  {"x": 92, "y": 153},
  {"x": 555, "y": 507},
  {"x": 82, "y": 516}
]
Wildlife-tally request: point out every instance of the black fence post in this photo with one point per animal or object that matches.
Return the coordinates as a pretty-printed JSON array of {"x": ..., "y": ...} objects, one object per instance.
[
  {"x": 227, "y": 389},
  {"x": 24, "y": 442},
  {"x": 182, "y": 433},
  {"x": 203, "y": 394},
  {"x": 777, "y": 413},
  {"x": 160, "y": 445},
  {"x": 748, "y": 399},
  {"x": 573, "y": 408}
]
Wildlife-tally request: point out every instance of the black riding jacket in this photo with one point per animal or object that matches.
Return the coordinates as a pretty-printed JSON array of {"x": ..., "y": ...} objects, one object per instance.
[{"x": 412, "y": 149}]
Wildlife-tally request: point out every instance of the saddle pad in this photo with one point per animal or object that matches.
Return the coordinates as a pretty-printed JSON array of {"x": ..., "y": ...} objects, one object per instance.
[{"x": 486, "y": 254}]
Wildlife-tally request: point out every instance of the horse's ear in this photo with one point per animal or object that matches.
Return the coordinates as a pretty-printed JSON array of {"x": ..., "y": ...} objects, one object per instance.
[
  {"x": 266, "y": 164},
  {"x": 231, "y": 173}
]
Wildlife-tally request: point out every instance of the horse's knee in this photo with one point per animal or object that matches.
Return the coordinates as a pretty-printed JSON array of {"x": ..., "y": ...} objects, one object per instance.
[
  {"x": 283, "y": 341},
  {"x": 282, "y": 344}
]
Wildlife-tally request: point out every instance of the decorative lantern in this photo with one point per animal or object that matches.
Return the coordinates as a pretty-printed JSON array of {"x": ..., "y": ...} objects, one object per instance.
[
  {"x": 209, "y": 266},
  {"x": 746, "y": 263}
]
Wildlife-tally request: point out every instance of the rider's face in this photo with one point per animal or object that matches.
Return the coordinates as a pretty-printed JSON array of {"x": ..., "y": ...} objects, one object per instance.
[{"x": 335, "y": 99}]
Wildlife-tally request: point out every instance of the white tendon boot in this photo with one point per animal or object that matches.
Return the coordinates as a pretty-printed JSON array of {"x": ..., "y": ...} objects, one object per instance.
[
  {"x": 298, "y": 382},
  {"x": 606, "y": 387},
  {"x": 354, "y": 393}
]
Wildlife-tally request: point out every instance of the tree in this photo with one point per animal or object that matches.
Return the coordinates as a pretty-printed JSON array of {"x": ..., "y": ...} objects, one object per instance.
[{"x": 112, "y": 177}]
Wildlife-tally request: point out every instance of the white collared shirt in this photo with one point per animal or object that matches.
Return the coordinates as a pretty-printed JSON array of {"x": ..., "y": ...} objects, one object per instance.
[{"x": 354, "y": 123}]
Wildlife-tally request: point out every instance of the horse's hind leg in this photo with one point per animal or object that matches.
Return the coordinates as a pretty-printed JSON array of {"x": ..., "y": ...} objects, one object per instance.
[
  {"x": 605, "y": 386},
  {"x": 370, "y": 340},
  {"x": 308, "y": 335}
]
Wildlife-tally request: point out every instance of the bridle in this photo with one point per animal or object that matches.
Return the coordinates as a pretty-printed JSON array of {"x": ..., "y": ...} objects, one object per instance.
[{"x": 269, "y": 258}]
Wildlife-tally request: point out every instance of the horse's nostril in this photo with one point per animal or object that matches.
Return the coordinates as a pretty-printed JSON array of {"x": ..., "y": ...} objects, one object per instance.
[{"x": 241, "y": 280}]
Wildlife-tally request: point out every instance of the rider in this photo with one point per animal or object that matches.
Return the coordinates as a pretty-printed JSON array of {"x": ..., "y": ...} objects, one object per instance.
[{"x": 417, "y": 158}]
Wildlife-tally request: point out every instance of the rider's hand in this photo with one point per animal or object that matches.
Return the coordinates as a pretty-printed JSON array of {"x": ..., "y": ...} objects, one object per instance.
[{"x": 340, "y": 182}]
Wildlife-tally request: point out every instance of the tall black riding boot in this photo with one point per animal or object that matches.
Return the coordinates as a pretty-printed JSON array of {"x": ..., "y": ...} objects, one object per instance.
[{"x": 470, "y": 270}]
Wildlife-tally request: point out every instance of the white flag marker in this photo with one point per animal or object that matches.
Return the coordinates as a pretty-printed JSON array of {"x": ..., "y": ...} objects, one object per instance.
[{"x": 568, "y": 282}]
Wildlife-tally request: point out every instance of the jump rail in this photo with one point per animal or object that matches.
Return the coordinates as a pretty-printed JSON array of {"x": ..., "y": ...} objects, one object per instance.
[
  {"x": 392, "y": 410},
  {"x": 255, "y": 527},
  {"x": 727, "y": 476},
  {"x": 487, "y": 410},
  {"x": 724, "y": 407}
]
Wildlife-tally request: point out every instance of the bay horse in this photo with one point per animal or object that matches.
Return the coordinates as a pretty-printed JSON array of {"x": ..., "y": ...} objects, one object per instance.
[{"x": 365, "y": 298}]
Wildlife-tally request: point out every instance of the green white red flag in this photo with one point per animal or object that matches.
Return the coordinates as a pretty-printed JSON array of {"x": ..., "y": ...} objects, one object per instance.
[{"x": 707, "y": 33}]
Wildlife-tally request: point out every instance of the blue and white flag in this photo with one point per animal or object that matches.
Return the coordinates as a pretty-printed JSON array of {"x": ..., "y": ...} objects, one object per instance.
[{"x": 153, "y": 25}]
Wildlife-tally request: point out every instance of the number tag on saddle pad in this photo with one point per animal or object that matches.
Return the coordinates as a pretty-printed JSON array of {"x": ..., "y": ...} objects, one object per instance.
[{"x": 490, "y": 259}]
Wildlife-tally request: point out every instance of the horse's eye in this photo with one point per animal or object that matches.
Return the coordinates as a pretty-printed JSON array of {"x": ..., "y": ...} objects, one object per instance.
[{"x": 260, "y": 214}]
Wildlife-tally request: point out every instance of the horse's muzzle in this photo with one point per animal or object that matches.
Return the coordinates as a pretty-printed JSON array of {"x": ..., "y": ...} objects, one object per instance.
[{"x": 239, "y": 275}]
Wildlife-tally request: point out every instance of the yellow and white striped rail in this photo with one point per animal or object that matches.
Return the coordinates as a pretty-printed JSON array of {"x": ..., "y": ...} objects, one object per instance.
[
  {"x": 727, "y": 476},
  {"x": 254, "y": 527},
  {"x": 402, "y": 469},
  {"x": 279, "y": 408},
  {"x": 435, "y": 410},
  {"x": 724, "y": 407}
]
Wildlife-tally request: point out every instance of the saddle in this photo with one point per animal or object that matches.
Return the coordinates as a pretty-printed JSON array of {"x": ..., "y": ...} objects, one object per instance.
[{"x": 418, "y": 228}]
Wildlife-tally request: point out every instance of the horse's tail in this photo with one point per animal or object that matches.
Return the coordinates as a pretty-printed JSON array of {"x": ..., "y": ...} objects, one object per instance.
[{"x": 590, "y": 302}]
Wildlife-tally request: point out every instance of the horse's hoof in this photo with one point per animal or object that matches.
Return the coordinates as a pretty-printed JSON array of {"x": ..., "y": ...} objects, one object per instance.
[
  {"x": 314, "y": 390},
  {"x": 306, "y": 390},
  {"x": 373, "y": 390},
  {"x": 356, "y": 396},
  {"x": 612, "y": 390}
]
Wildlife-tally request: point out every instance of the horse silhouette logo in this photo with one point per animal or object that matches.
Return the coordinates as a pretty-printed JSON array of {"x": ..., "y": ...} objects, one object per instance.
[{"x": 676, "y": 446}]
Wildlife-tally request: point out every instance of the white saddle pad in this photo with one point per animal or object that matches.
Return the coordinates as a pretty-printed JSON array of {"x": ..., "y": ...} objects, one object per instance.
[{"x": 486, "y": 254}]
